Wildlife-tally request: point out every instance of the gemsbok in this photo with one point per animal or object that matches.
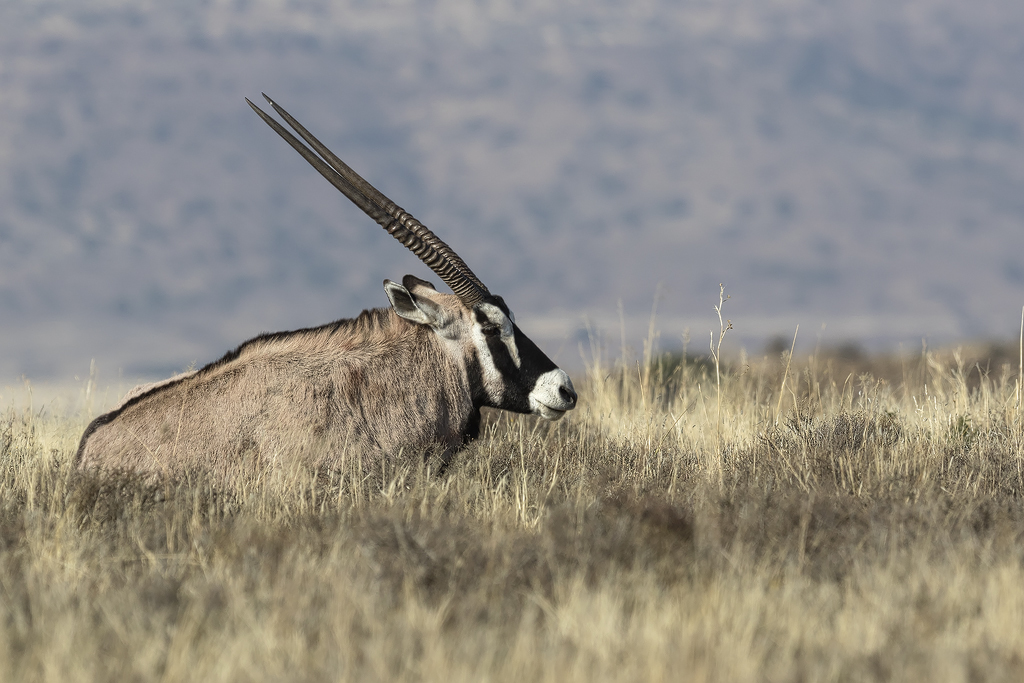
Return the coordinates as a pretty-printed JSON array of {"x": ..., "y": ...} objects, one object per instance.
[{"x": 406, "y": 380}]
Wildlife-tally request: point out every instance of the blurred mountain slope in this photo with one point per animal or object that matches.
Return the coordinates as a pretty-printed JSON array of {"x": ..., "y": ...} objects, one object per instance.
[{"x": 858, "y": 164}]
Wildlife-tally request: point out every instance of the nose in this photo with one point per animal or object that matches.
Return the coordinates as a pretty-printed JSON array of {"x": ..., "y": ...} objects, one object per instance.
[{"x": 567, "y": 394}]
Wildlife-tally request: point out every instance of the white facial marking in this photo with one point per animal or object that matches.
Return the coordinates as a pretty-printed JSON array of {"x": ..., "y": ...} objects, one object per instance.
[
  {"x": 497, "y": 317},
  {"x": 546, "y": 398},
  {"x": 492, "y": 379}
]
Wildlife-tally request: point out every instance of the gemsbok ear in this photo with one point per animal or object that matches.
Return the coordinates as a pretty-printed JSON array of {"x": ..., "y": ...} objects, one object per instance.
[
  {"x": 411, "y": 282},
  {"x": 415, "y": 309}
]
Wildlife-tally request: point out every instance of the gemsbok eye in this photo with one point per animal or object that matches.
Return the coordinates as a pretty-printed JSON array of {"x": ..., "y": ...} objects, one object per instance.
[{"x": 492, "y": 331}]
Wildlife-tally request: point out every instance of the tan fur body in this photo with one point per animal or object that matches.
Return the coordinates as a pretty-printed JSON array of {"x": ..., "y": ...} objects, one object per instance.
[{"x": 371, "y": 387}]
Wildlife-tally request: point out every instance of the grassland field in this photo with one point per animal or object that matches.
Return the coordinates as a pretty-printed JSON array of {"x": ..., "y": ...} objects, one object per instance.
[{"x": 823, "y": 518}]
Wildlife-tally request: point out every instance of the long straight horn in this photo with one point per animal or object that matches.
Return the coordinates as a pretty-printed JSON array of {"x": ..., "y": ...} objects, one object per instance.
[
  {"x": 401, "y": 225},
  {"x": 375, "y": 195}
]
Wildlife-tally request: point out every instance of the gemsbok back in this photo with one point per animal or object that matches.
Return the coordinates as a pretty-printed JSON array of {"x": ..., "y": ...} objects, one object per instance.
[{"x": 406, "y": 380}]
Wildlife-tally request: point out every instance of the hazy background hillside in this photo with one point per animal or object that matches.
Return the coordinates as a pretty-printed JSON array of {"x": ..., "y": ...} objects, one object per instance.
[{"x": 855, "y": 164}]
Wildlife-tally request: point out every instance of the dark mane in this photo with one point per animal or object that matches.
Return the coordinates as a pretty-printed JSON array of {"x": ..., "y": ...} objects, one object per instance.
[{"x": 369, "y": 319}]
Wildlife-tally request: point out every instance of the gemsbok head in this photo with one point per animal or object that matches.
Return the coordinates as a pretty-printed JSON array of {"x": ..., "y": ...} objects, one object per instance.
[{"x": 406, "y": 380}]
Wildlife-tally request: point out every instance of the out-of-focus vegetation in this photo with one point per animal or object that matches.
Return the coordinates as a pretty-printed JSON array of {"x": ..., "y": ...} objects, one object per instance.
[{"x": 860, "y": 519}]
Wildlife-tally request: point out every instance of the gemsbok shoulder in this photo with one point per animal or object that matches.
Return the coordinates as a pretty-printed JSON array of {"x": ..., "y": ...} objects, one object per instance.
[{"x": 406, "y": 380}]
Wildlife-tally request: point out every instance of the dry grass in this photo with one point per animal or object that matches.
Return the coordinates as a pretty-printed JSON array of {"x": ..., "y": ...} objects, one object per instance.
[{"x": 859, "y": 526}]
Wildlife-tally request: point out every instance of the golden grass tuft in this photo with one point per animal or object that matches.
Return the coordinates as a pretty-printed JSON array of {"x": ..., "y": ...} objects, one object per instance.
[{"x": 860, "y": 520}]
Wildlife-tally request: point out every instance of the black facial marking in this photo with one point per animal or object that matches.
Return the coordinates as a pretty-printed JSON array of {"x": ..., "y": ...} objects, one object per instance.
[
  {"x": 517, "y": 381},
  {"x": 475, "y": 377}
]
